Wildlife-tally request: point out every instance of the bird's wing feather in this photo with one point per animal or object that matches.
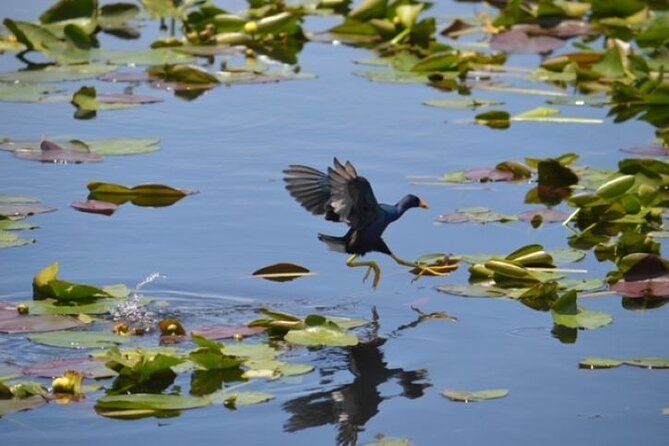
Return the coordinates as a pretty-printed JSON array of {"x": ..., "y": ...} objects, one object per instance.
[
  {"x": 309, "y": 186},
  {"x": 352, "y": 197}
]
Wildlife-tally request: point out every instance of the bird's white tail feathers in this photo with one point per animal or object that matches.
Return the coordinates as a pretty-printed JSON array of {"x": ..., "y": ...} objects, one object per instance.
[{"x": 337, "y": 244}]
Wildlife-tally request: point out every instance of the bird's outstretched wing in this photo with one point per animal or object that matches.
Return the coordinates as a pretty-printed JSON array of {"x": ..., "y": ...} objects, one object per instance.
[{"x": 340, "y": 194}]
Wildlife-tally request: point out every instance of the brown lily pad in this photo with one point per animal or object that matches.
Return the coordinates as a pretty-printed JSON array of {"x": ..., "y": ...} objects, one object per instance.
[
  {"x": 656, "y": 287},
  {"x": 90, "y": 368},
  {"x": 95, "y": 207},
  {"x": 484, "y": 175},
  {"x": 218, "y": 333},
  {"x": 517, "y": 41},
  {"x": 38, "y": 323},
  {"x": 546, "y": 215}
]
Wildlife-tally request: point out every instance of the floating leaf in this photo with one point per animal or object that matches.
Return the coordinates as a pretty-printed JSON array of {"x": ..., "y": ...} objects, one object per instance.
[
  {"x": 464, "y": 396},
  {"x": 90, "y": 368},
  {"x": 217, "y": 333},
  {"x": 78, "y": 339},
  {"x": 496, "y": 119},
  {"x": 461, "y": 103},
  {"x": 37, "y": 323},
  {"x": 282, "y": 272},
  {"x": 322, "y": 335},
  {"x": 236, "y": 399},
  {"x": 649, "y": 363},
  {"x": 95, "y": 207},
  {"x": 254, "y": 351},
  {"x": 11, "y": 240},
  {"x": 26, "y": 93},
  {"x": 58, "y": 73},
  {"x": 566, "y": 313},
  {"x": 52, "y": 153},
  {"x": 517, "y": 41},
  {"x": 472, "y": 290},
  {"x": 476, "y": 215},
  {"x": 599, "y": 363},
  {"x": 9, "y": 406},
  {"x": 154, "y": 195},
  {"x": 120, "y": 406}
]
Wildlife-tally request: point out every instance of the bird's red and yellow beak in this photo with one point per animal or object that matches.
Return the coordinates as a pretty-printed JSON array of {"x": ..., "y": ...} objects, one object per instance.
[{"x": 423, "y": 204}]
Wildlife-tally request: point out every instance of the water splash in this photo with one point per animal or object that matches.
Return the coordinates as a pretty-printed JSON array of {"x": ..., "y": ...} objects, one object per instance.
[{"x": 133, "y": 312}]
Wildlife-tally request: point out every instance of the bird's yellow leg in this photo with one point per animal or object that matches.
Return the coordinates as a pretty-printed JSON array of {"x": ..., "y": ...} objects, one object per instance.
[
  {"x": 372, "y": 266},
  {"x": 423, "y": 269}
]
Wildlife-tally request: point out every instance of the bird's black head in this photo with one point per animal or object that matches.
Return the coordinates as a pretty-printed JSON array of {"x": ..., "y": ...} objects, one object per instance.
[{"x": 411, "y": 201}]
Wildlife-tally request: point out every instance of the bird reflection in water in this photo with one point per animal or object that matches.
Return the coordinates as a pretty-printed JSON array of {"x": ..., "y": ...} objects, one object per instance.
[{"x": 352, "y": 405}]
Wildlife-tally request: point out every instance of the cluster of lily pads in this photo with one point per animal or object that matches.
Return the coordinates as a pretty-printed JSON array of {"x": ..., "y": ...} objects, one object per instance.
[{"x": 70, "y": 315}]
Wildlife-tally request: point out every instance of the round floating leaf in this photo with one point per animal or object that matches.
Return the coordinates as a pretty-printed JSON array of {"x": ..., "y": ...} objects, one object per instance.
[
  {"x": 464, "y": 396},
  {"x": 282, "y": 272},
  {"x": 566, "y": 313},
  {"x": 37, "y": 323},
  {"x": 472, "y": 290},
  {"x": 18, "y": 405},
  {"x": 546, "y": 215},
  {"x": 236, "y": 399},
  {"x": 477, "y": 216},
  {"x": 78, "y": 339},
  {"x": 254, "y": 351},
  {"x": 517, "y": 41},
  {"x": 599, "y": 363},
  {"x": 496, "y": 119},
  {"x": 95, "y": 207},
  {"x": 53, "y": 306},
  {"x": 460, "y": 103},
  {"x": 217, "y": 333},
  {"x": 150, "y": 402},
  {"x": 388, "y": 441},
  {"x": 58, "y": 73},
  {"x": 51, "y": 152},
  {"x": 90, "y": 368},
  {"x": 11, "y": 240},
  {"x": 321, "y": 335},
  {"x": 649, "y": 363},
  {"x": 23, "y": 209},
  {"x": 26, "y": 93}
]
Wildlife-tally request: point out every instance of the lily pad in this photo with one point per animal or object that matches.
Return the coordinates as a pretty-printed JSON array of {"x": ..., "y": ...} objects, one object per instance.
[
  {"x": 465, "y": 396},
  {"x": 217, "y": 333},
  {"x": 599, "y": 363},
  {"x": 19, "y": 405},
  {"x": 53, "y": 153},
  {"x": 476, "y": 215},
  {"x": 11, "y": 240},
  {"x": 322, "y": 335},
  {"x": 78, "y": 339},
  {"x": 282, "y": 272},
  {"x": 236, "y": 399},
  {"x": 58, "y": 73},
  {"x": 565, "y": 312},
  {"x": 37, "y": 323},
  {"x": 26, "y": 93},
  {"x": 95, "y": 207},
  {"x": 461, "y": 103},
  {"x": 518, "y": 41},
  {"x": 90, "y": 368},
  {"x": 120, "y": 406},
  {"x": 649, "y": 363}
]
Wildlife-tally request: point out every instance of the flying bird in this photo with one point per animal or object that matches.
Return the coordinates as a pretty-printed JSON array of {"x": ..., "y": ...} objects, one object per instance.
[{"x": 343, "y": 196}]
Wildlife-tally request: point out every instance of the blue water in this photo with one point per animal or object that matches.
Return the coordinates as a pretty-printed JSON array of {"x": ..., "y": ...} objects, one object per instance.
[{"x": 231, "y": 145}]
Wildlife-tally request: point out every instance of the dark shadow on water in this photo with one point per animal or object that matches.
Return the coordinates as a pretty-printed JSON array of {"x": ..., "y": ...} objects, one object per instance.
[{"x": 352, "y": 405}]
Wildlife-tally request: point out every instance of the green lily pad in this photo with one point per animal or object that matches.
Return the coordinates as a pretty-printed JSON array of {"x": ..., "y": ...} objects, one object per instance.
[
  {"x": 322, "y": 335},
  {"x": 53, "y": 306},
  {"x": 78, "y": 339},
  {"x": 461, "y": 103},
  {"x": 11, "y": 240},
  {"x": 19, "y": 405},
  {"x": 58, "y": 73},
  {"x": 472, "y": 290},
  {"x": 236, "y": 399},
  {"x": 389, "y": 441},
  {"x": 649, "y": 363},
  {"x": 254, "y": 351},
  {"x": 155, "y": 56},
  {"x": 103, "y": 147},
  {"x": 465, "y": 396},
  {"x": 476, "y": 215},
  {"x": 26, "y": 93},
  {"x": 125, "y": 405},
  {"x": 565, "y": 312},
  {"x": 599, "y": 363}
]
